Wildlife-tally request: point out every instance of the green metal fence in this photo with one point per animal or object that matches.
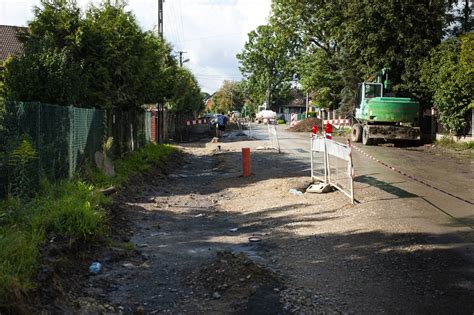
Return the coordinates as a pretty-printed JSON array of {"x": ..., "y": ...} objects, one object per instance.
[{"x": 65, "y": 137}]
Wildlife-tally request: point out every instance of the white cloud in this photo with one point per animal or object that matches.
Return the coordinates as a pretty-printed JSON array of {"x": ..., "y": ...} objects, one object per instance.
[{"x": 212, "y": 32}]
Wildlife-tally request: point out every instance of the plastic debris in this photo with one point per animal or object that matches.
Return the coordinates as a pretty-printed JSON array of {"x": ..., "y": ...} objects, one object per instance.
[
  {"x": 295, "y": 192},
  {"x": 95, "y": 267},
  {"x": 233, "y": 230}
]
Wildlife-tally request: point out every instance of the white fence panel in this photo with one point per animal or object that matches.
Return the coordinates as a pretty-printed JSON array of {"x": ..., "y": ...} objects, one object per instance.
[
  {"x": 273, "y": 137},
  {"x": 318, "y": 159},
  {"x": 331, "y": 162}
]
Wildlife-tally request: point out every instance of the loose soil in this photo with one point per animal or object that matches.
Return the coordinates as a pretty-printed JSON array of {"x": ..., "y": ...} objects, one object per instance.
[
  {"x": 209, "y": 241},
  {"x": 306, "y": 125}
]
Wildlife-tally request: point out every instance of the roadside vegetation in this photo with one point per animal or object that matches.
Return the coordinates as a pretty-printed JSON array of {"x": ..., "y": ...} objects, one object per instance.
[
  {"x": 71, "y": 211},
  {"x": 450, "y": 143}
]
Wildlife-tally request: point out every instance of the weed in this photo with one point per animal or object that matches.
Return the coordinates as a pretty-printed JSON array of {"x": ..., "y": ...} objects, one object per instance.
[
  {"x": 123, "y": 245},
  {"x": 448, "y": 142},
  {"x": 70, "y": 209},
  {"x": 18, "y": 260}
]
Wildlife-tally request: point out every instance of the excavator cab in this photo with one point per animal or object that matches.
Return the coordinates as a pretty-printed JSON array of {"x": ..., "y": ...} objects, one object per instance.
[{"x": 368, "y": 91}]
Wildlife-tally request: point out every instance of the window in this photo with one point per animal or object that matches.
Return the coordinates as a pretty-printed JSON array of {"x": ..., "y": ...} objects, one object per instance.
[{"x": 373, "y": 90}]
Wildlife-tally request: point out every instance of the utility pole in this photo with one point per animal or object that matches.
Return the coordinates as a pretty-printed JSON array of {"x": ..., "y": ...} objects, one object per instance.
[
  {"x": 160, "y": 18},
  {"x": 181, "y": 61},
  {"x": 307, "y": 103}
]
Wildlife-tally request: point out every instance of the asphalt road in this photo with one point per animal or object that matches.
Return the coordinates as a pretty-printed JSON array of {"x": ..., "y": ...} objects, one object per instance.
[{"x": 451, "y": 178}]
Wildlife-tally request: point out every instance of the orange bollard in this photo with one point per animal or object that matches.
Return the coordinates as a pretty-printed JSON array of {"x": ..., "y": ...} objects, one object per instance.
[{"x": 246, "y": 162}]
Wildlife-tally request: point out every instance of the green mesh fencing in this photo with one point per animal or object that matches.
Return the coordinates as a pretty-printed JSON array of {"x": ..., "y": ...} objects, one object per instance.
[
  {"x": 64, "y": 138},
  {"x": 147, "y": 127}
]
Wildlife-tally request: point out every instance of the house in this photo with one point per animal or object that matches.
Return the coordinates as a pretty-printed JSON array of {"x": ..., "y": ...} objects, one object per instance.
[
  {"x": 9, "y": 42},
  {"x": 297, "y": 103}
]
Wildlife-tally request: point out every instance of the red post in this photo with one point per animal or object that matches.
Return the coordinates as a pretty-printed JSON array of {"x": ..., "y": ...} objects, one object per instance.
[
  {"x": 246, "y": 162},
  {"x": 328, "y": 130}
]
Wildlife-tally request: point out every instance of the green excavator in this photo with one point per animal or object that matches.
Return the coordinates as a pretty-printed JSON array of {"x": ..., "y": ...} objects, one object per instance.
[{"x": 383, "y": 118}]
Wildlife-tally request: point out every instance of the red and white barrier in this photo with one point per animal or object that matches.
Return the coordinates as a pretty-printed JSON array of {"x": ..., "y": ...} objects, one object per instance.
[
  {"x": 196, "y": 122},
  {"x": 294, "y": 119},
  {"x": 337, "y": 122}
]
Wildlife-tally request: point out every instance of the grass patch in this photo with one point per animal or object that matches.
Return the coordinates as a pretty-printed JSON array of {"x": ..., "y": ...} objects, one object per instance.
[
  {"x": 70, "y": 210},
  {"x": 128, "y": 246},
  {"x": 449, "y": 143}
]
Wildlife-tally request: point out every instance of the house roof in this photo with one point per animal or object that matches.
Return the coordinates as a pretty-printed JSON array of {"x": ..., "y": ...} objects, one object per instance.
[
  {"x": 9, "y": 42},
  {"x": 298, "y": 99}
]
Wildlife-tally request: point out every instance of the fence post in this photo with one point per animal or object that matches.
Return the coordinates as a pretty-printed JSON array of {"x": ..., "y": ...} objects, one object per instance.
[
  {"x": 71, "y": 140},
  {"x": 38, "y": 143},
  {"x": 312, "y": 167}
]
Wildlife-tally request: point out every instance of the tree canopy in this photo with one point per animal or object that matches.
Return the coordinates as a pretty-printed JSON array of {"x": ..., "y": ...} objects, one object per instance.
[
  {"x": 97, "y": 58},
  {"x": 327, "y": 47},
  {"x": 264, "y": 63},
  {"x": 229, "y": 97}
]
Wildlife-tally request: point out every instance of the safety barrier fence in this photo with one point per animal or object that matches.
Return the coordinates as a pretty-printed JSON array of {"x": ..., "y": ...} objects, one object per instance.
[
  {"x": 273, "y": 137},
  {"x": 331, "y": 163}
]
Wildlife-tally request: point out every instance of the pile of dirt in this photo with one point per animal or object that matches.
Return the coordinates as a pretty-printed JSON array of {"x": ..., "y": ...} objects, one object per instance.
[
  {"x": 306, "y": 125},
  {"x": 234, "y": 271},
  {"x": 233, "y": 276}
]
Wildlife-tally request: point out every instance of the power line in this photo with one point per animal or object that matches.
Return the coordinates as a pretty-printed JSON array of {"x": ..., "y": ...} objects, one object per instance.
[{"x": 211, "y": 37}]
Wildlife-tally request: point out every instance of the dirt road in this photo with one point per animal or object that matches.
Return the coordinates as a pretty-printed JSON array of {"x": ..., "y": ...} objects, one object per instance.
[{"x": 209, "y": 241}]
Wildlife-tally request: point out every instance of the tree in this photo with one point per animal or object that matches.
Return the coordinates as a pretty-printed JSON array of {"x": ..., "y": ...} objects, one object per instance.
[
  {"x": 186, "y": 97},
  {"x": 48, "y": 71},
  {"x": 354, "y": 39},
  {"x": 229, "y": 97},
  {"x": 265, "y": 63},
  {"x": 101, "y": 58},
  {"x": 448, "y": 74}
]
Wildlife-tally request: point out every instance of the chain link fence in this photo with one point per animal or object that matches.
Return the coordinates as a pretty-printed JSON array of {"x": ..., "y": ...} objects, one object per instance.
[{"x": 63, "y": 138}]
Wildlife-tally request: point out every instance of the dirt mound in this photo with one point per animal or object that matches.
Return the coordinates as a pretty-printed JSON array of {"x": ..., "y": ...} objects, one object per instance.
[
  {"x": 235, "y": 277},
  {"x": 306, "y": 125},
  {"x": 231, "y": 271}
]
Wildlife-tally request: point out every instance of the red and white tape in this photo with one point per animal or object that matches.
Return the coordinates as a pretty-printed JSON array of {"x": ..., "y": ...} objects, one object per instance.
[
  {"x": 410, "y": 176},
  {"x": 196, "y": 122}
]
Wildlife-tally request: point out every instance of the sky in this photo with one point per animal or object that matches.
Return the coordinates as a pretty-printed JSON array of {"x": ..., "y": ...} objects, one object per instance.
[{"x": 211, "y": 32}]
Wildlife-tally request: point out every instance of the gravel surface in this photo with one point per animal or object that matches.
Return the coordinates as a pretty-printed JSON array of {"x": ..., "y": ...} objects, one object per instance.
[{"x": 209, "y": 241}]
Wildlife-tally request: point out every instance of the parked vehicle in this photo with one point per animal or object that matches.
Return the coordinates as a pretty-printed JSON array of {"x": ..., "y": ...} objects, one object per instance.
[{"x": 379, "y": 117}]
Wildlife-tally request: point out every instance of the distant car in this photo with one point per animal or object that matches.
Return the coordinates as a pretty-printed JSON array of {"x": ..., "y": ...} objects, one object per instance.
[
  {"x": 207, "y": 116},
  {"x": 211, "y": 121}
]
